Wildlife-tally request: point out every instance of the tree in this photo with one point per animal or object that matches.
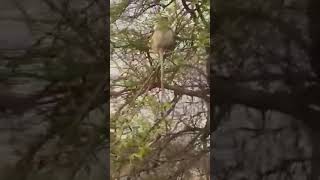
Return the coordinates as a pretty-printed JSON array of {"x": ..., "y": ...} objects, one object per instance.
[{"x": 142, "y": 144}]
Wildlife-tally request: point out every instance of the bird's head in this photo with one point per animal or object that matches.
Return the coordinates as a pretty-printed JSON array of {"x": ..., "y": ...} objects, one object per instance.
[{"x": 162, "y": 23}]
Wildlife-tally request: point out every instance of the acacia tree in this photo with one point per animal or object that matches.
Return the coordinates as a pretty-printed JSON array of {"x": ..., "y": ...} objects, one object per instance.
[{"x": 142, "y": 144}]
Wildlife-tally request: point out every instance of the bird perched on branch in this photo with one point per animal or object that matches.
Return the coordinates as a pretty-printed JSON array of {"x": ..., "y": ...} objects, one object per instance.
[{"x": 162, "y": 40}]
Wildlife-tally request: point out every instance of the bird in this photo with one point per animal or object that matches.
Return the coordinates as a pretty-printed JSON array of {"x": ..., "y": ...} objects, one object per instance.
[{"x": 162, "y": 40}]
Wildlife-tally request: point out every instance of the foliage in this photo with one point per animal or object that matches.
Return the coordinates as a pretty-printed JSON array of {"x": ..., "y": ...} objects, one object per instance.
[{"x": 139, "y": 136}]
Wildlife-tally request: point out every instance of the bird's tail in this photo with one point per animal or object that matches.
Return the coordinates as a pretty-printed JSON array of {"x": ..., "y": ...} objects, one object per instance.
[
  {"x": 161, "y": 54},
  {"x": 161, "y": 76}
]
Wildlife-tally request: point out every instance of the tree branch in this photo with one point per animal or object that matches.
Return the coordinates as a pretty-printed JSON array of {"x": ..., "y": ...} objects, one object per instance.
[{"x": 228, "y": 92}]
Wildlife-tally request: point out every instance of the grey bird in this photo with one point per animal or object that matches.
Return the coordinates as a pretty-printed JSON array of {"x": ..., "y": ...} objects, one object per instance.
[{"x": 162, "y": 40}]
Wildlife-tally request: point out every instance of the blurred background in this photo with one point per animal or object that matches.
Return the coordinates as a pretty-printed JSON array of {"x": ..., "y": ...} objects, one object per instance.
[{"x": 53, "y": 76}]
